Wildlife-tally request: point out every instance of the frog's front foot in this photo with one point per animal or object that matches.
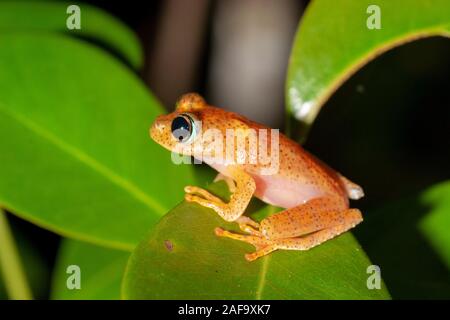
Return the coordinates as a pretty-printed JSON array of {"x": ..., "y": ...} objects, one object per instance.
[
  {"x": 204, "y": 198},
  {"x": 227, "y": 211},
  {"x": 201, "y": 196},
  {"x": 230, "y": 211}
]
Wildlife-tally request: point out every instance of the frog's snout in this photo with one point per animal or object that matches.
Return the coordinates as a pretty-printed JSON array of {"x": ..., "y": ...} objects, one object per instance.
[
  {"x": 157, "y": 130},
  {"x": 153, "y": 130},
  {"x": 160, "y": 130}
]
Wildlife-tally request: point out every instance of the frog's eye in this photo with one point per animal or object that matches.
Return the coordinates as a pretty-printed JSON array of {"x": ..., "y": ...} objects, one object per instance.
[{"x": 183, "y": 128}]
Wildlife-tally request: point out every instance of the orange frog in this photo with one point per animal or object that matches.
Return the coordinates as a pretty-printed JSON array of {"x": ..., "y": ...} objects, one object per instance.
[{"x": 316, "y": 196}]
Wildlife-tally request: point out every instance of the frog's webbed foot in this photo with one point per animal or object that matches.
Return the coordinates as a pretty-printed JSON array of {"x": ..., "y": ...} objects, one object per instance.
[
  {"x": 256, "y": 241},
  {"x": 248, "y": 225},
  {"x": 204, "y": 198},
  {"x": 262, "y": 245},
  {"x": 192, "y": 193}
]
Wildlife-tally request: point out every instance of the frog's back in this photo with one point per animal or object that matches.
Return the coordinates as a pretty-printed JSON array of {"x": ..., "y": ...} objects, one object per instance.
[
  {"x": 298, "y": 175},
  {"x": 301, "y": 177}
]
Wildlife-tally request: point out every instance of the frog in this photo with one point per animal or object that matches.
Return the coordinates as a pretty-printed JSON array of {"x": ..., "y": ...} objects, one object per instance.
[{"x": 314, "y": 196}]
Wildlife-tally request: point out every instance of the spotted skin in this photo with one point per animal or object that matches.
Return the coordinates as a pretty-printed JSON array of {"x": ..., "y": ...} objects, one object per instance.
[{"x": 316, "y": 196}]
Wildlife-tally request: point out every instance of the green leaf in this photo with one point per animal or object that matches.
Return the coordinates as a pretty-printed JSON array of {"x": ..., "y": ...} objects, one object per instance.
[
  {"x": 181, "y": 258},
  {"x": 409, "y": 240},
  {"x": 76, "y": 156},
  {"x": 333, "y": 42},
  {"x": 42, "y": 16},
  {"x": 435, "y": 225},
  {"x": 101, "y": 271}
]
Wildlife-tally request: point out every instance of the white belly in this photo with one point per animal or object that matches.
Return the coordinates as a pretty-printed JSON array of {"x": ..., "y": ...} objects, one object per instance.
[{"x": 282, "y": 193}]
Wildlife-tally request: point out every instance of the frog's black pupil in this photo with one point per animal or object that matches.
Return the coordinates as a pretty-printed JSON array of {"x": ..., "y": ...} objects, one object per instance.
[{"x": 181, "y": 128}]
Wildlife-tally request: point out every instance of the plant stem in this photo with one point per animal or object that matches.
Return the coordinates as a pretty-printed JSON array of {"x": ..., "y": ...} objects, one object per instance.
[{"x": 14, "y": 277}]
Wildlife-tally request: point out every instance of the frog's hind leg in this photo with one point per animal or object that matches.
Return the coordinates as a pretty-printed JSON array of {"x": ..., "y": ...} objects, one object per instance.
[
  {"x": 300, "y": 228},
  {"x": 350, "y": 218},
  {"x": 312, "y": 216}
]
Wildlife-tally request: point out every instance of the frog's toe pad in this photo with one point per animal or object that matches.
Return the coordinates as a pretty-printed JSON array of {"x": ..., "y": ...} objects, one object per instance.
[
  {"x": 219, "y": 232},
  {"x": 200, "y": 192},
  {"x": 250, "y": 256}
]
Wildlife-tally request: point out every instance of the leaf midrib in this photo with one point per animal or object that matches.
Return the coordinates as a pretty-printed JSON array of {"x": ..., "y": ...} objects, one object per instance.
[
  {"x": 90, "y": 162},
  {"x": 265, "y": 266}
]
